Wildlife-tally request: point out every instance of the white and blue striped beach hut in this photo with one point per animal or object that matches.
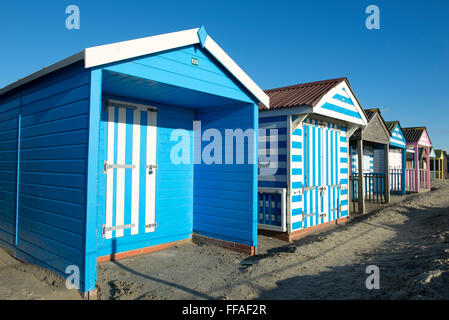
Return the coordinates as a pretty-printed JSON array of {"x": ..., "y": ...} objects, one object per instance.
[
  {"x": 99, "y": 155},
  {"x": 303, "y": 155}
]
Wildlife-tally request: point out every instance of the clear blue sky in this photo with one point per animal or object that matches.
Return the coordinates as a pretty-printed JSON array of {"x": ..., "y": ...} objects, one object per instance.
[{"x": 403, "y": 68}]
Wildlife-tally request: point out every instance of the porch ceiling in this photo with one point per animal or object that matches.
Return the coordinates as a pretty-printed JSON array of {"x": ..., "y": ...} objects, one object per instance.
[{"x": 117, "y": 84}]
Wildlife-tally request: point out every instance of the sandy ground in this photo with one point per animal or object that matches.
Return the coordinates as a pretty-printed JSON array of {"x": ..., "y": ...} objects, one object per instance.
[
  {"x": 22, "y": 281},
  {"x": 408, "y": 240}
]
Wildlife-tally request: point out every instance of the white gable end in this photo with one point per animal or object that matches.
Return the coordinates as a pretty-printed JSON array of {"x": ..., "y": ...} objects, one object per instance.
[{"x": 340, "y": 103}]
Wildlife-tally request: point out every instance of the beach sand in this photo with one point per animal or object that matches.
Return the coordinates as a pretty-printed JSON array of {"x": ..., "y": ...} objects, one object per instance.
[{"x": 408, "y": 240}]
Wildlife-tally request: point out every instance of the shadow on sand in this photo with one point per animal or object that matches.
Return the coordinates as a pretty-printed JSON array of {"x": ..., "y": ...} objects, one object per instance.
[{"x": 413, "y": 265}]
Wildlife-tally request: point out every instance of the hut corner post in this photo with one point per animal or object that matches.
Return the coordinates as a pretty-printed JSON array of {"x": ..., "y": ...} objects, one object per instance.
[
  {"x": 416, "y": 167},
  {"x": 360, "y": 184},
  {"x": 404, "y": 171},
  {"x": 428, "y": 168},
  {"x": 387, "y": 174},
  {"x": 434, "y": 170},
  {"x": 90, "y": 245},
  {"x": 442, "y": 168},
  {"x": 290, "y": 130},
  {"x": 350, "y": 195}
]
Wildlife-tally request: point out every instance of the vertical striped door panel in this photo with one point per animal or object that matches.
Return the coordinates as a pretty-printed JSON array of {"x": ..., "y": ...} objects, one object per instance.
[
  {"x": 297, "y": 177},
  {"x": 130, "y": 192},
  {"x": 322, "y": 169}
]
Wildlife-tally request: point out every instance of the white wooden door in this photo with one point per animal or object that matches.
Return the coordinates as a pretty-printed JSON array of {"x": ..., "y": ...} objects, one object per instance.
[
  {"x": 321, "y": 168},
  {"x": 130, "y": 169}
]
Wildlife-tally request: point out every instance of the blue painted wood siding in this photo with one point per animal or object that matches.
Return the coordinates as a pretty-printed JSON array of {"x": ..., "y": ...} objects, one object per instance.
[
  {"x": 270, "y": 208},
  {"x": 9, "y": 120},
  {"x": 52, "y": 174},
  {"x": 272, "y": 177},
  {"x": 175, "y": 68},
  {"x": 225, "y": 195}
]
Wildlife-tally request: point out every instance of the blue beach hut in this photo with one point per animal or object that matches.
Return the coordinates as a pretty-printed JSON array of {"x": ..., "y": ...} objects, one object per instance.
[{"x": 101, "y": 153}]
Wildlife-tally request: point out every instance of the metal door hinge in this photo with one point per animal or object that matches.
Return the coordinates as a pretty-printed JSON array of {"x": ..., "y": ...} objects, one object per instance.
[
  {"x": 112, "y": 228},
  {"x": 307, "y": 215},
  {"x": 304, "y": 189},
  {"x": 107, "y": 166}
]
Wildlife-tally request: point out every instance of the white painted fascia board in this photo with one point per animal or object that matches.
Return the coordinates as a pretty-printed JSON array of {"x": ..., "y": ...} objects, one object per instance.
[
  {"x": 339, "y": 116},
  {"x": 362, "y": 122},
  {"x": 119, "y": 51},
  {"x": 236, "y": 71},
  {"x": 424, "y": 145}
]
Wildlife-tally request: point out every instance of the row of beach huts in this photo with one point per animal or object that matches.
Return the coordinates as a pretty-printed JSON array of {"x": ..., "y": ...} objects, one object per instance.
[{"x": 87, "y": 155}]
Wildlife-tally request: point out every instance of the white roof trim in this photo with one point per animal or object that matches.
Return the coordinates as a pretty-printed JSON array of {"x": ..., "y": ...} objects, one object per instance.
[
  {"x": 235, "y": 70},
  {"x": 109, "y": 53}
]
